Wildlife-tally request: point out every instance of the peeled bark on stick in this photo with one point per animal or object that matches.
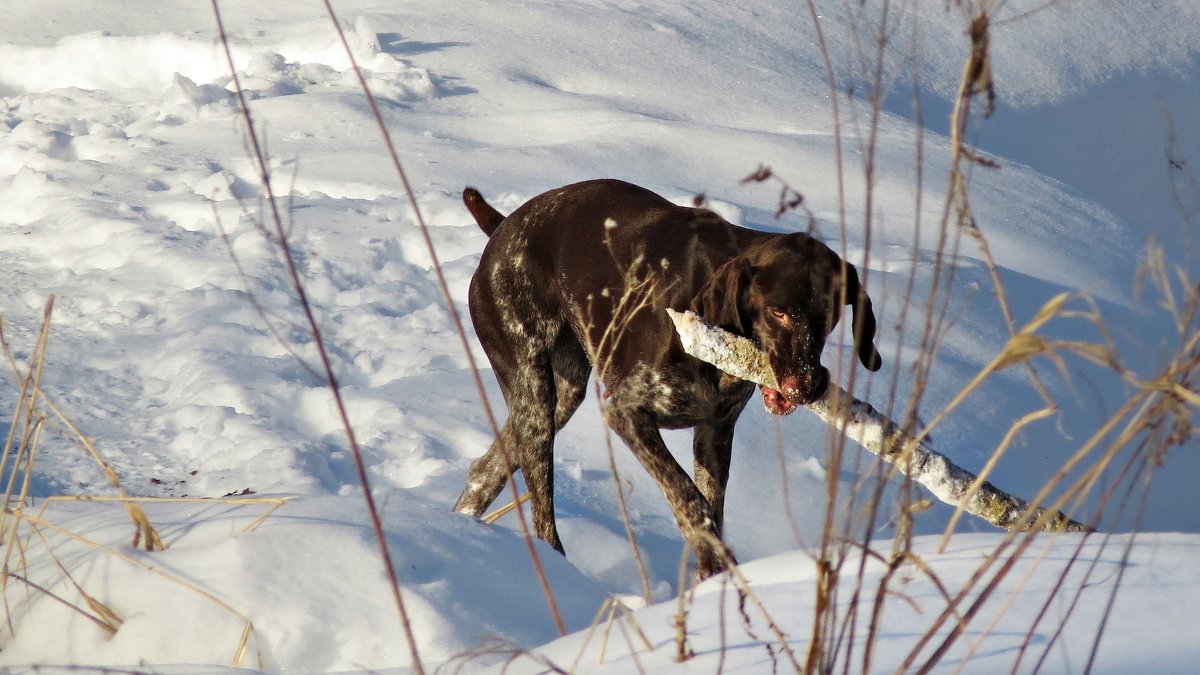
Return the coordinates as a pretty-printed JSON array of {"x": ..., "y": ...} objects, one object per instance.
[{"x": 870, "y": 428}]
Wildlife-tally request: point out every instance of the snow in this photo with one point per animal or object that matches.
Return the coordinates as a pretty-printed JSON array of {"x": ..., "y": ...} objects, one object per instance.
[
  {"x": 783, "y": 586},
  {"x": 126, "y": 191}
]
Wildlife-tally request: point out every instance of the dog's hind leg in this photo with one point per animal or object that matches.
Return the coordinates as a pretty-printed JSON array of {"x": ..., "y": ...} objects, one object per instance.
[{"x": 527, "y": 440}]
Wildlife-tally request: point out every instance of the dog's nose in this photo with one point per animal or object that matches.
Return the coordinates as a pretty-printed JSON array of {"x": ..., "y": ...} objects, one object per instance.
[
  {"x": 804, "y": 389},
  {"x": 790, "y": 387}
]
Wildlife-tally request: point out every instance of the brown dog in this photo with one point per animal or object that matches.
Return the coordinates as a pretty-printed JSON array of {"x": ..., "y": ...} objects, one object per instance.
[{"x": 579, "y": 277}]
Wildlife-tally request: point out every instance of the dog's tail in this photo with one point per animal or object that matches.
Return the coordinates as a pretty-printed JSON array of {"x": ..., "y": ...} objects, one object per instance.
[{"x": 487, "y": 217}]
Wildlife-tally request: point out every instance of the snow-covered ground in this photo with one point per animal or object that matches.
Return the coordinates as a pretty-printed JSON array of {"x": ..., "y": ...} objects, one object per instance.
[{"x": 125, "y": 184}]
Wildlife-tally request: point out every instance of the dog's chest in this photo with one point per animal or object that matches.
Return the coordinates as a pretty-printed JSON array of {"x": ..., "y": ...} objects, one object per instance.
[{"x": 680, "y": 399}]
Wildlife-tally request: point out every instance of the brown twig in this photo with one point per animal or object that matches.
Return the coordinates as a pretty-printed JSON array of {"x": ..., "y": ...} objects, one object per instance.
[
  {"x": 457, "y": 321},
  {"x": 277, "y": 220}
]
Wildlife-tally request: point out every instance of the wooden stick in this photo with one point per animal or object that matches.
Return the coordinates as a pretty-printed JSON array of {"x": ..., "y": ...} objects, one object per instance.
[{"x": 873, "y": 430}]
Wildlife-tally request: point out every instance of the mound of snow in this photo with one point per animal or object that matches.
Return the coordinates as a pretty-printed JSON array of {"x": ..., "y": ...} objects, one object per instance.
[{"x": 303, "y": 589}]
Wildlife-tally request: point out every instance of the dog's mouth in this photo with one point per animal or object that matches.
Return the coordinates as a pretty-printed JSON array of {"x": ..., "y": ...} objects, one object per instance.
[
  {"x": 795, "y": 391},
  {"x": 776, "y": 403}
]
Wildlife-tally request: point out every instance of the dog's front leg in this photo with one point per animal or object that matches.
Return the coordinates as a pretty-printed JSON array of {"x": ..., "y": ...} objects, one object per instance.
[{"x": 697, "y": 521}]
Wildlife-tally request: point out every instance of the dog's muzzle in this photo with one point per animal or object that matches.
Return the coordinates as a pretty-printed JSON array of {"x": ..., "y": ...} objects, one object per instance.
[{"x": 795, "y": 391}]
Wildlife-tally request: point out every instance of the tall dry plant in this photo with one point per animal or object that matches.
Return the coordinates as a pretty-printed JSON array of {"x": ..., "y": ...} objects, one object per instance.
[
  {"x": 275, "y": 229},
  {"x": 1154, "y": 418}
]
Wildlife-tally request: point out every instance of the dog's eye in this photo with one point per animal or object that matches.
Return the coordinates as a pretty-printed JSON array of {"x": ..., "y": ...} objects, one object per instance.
[{"x": 779, "y": 314}]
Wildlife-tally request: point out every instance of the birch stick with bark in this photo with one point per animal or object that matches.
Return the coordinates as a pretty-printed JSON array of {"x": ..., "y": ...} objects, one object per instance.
[{"x": 868, "y": 427}]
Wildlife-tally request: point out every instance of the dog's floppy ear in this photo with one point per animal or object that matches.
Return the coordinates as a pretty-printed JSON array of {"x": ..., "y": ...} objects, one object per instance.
[
  {"x": 864, "y": 320},
  {"x": 721, "y": 299}
]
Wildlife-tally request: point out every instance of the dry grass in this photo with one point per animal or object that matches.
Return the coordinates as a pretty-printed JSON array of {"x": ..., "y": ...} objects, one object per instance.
[
  {"x": 31, "y": 535},
  {"x": 1154, "y": 417}
]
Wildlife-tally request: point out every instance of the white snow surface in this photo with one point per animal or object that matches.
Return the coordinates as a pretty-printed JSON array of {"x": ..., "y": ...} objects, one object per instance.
[{"x": 127, "y": 192}]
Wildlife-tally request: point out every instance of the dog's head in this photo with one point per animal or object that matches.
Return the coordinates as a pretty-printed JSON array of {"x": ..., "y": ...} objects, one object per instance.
[{"x": 787, "y": 294}]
